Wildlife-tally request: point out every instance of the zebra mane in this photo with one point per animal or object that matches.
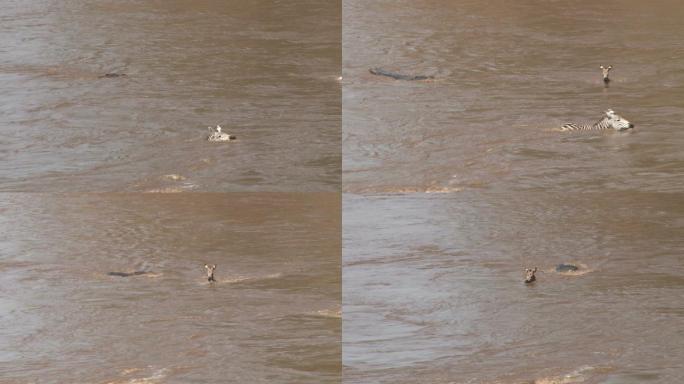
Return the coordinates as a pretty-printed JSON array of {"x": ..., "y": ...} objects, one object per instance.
[
  {"x": 602, "y": 119},
  {"x": 608, "y": 114}
]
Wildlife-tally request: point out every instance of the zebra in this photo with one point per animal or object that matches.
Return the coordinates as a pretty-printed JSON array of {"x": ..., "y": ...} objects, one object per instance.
[
  {"x": 529, "y": 275},
  {"x": 610, "y": 120},
  {"x": 605, "y": 71},
  {"x": 217, "y": 135},
  {"x": 210, "y": 272}
]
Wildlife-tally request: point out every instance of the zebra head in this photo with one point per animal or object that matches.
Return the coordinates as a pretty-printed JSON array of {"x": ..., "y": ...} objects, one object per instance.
[
  {"x": 616, "y": 122},
  {"x": 605, "y": 71},
  {"x": 529, "y": 275},
  {"x": 210, "y": 271}
]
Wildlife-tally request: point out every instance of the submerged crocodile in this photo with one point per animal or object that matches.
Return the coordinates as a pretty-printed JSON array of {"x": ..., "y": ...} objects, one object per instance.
[
  {"x": 113, "y": 75},
  {"x": 127, "y": 274},
  {"x": 566, "y": 268},
  {"x": 398, "y": 76}
]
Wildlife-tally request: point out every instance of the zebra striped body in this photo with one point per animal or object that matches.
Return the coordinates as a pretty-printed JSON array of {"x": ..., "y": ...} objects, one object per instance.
[
  {"x": 598, "y": 126},
  {"x": 610, "y": 121},
  {"x": 217, "y": 135}
]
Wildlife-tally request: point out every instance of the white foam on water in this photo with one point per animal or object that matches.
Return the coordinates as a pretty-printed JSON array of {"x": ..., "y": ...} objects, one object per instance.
[
  {"x": 332, "y": 313},
  {"x": 155, "y": 377},
  {"x": 242, "y": 278}
]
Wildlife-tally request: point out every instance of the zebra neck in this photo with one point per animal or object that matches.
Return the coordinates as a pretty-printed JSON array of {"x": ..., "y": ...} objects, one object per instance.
[{"x": 600, "y": 125}]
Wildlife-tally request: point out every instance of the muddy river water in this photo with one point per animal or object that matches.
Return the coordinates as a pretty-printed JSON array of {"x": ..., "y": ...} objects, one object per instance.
[
  {"x": 456, "y": 184},
  {"x": 273, "y": 314},
  {"x": 452, "y": 186},
  {"x": 265, "y": 71}
]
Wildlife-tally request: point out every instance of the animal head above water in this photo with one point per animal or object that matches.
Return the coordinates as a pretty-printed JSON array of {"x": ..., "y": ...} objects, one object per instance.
[
  {"x": 605, "y": 71},
  {"x": 210, "y": 271},
  {"x": 616, "y": 121},
  {"x": 529, "y": 275}
]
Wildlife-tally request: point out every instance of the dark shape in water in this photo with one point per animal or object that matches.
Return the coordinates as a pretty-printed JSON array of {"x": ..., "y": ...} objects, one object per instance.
[
  {"x": 529, "y": 275},
  {"x": 566, "y": 268},
  {"x": 126, "y": 274},
  {"x": 398, "y": 76},
  {"x": 113, "y": 75}
]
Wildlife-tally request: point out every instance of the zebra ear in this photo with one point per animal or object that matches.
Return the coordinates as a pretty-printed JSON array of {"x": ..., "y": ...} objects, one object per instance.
[
  {"x": 610, "y": 67},
  {"x": 601, "y": 67},
  {"x": 609, "y": 112}
]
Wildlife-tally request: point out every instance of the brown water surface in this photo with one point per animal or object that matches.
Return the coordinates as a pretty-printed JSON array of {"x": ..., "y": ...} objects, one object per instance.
[
  {"x": 273, "y": 315},
  {"x": 506, "y": 74},
  {"x": 266, "y": 71},
  {"x": 433, "y": 289},
  {"x": 434, "y": 293}
]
